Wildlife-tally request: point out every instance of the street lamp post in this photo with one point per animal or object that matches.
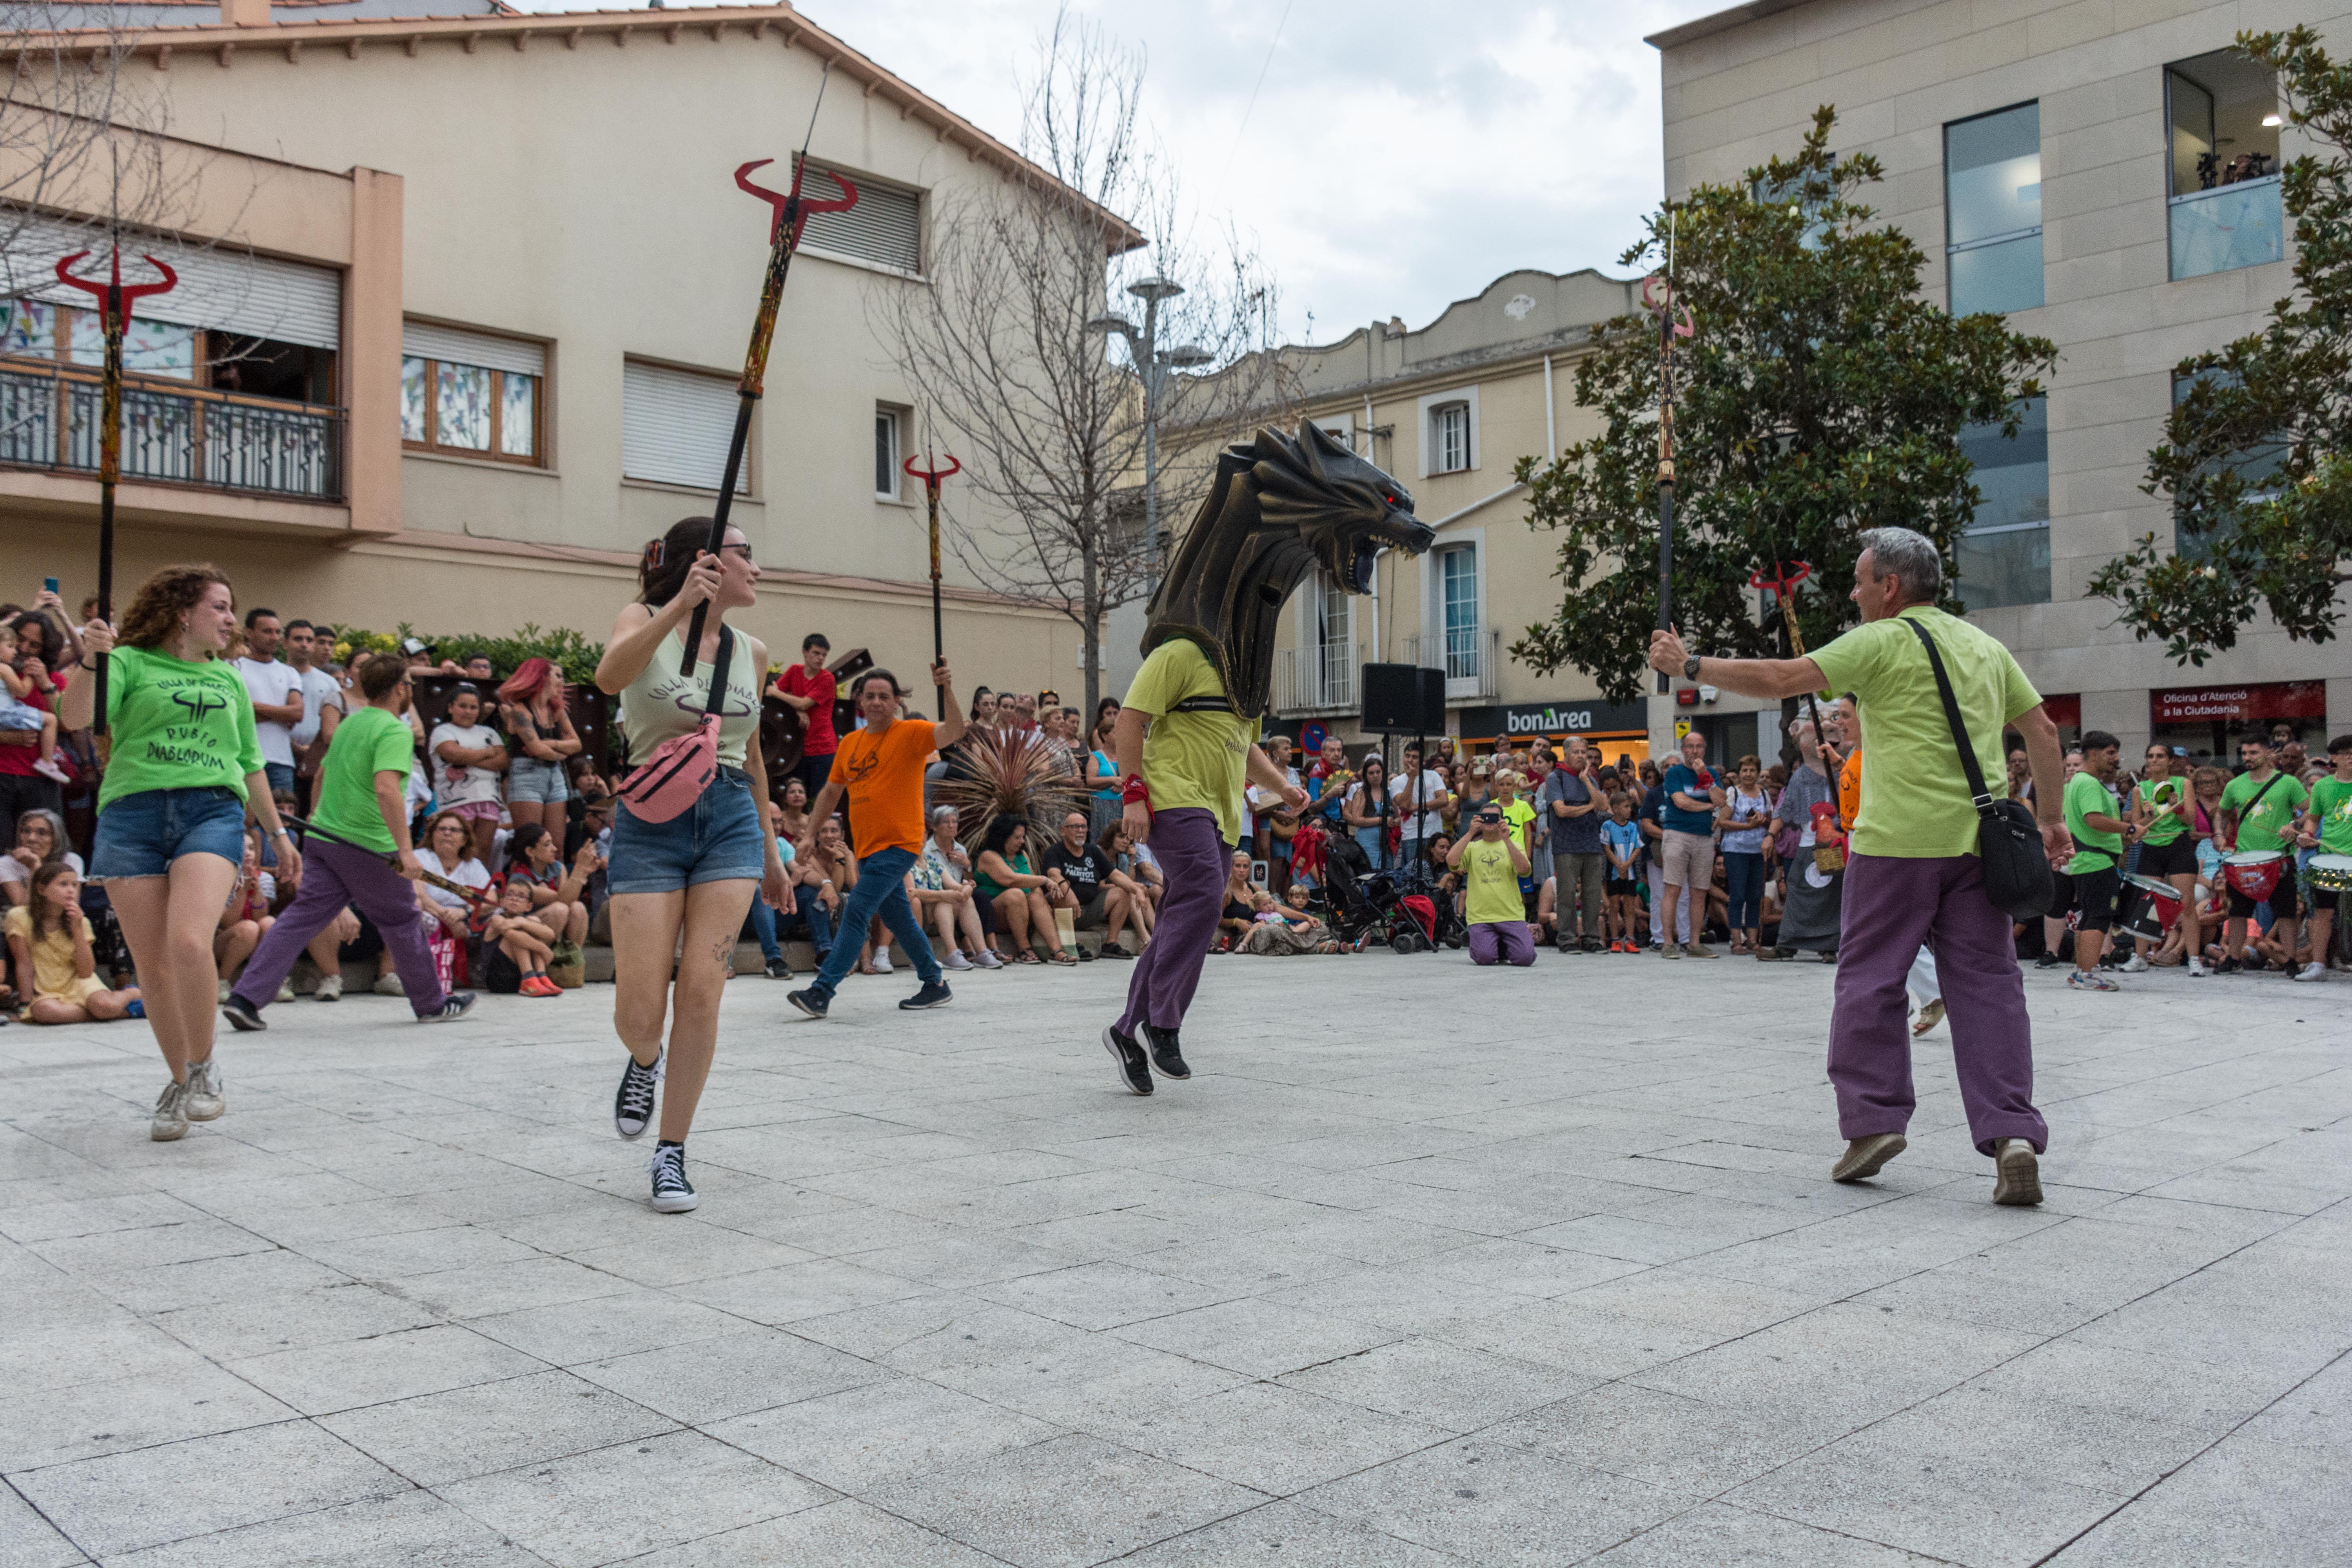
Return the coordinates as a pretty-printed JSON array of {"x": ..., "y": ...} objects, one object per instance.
[{"x": 1153, "y": 364}]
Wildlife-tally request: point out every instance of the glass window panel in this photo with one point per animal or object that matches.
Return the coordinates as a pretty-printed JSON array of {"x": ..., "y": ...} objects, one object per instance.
[
  {"x": 1992, "y": 173},
  {"x": 2008, "y": 567},
  {"x": 29, "y": 328},
  {"x": 412, "y": 376},
  {"x": 2230, "y": 226},
  {"x": 2004, "y": 558},
  {"x": 1997, "y": 279},
  {"x": 518, "y": 415},
  {"x": 461, "y": 404},
  {"x": 149, "y": 348},
  {"x": 2191, "y": 110},
  {"x": 2256, "y": 464},
  {"x": 886, "y": 453},
  {"x": 1460, "y": 580},
  {"x": 1452, "y": 438}
]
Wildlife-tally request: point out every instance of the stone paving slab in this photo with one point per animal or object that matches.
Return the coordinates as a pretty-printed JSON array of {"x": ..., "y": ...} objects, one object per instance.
[{"x": 1422, "y": 1267}]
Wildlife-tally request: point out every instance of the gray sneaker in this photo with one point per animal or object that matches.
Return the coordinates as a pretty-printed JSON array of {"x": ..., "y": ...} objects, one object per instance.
[
  {"x": 1700, "y": 950},
  {"x": 204, "y": 1101},
  {"x": 2017, "y": 1174},
  {"x": 1668, "y": 950},
  {"x": 171, "y": 1114}
]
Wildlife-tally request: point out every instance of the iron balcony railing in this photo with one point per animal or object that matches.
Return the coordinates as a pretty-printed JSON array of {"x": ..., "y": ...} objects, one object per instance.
[
  {"x": 50, "y": 419},
  {"x": 1316, "y": 679},
  {"x": 1472, "y": 658}
]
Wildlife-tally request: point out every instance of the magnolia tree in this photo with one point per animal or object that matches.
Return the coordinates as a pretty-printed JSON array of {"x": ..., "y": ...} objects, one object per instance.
[
  {"x": 2257, "y": 456},
  {"x": 1819, "y": 396}
]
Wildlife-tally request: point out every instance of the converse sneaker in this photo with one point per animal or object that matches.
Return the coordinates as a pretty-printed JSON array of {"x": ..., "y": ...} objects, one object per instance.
[
  {"x": 955, "y": 959},
  {"x": 331, "y": 989},
  {"x": 673, "y": 1194},
  {"x": 1167, "y": 1051},
  {"x": 242, "y": 1015},
  {"x": 171, "y": 1114},
  {"x": 2017, "y": 1175},
  {"x": 808, "y": 1002},
  {"x": 204, "y": 1101},
  {"x": 933, "y": 994},
  {"x": 632, "y": 1106},
  {"x": 1134, "y": 1071},
  {"x": 454, "y": 1006}
]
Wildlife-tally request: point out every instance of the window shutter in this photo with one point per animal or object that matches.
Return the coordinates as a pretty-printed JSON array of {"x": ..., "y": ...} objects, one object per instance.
[
  {"x": 452, "y": 346},
  {"x": 675, "y": 427},
  {"x": 221, "y": 286},
  {"x": 886, "y": 226}
]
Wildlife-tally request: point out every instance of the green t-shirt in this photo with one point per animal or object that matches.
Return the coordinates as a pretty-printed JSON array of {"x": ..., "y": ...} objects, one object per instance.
[
  {"x": 369, "y": 742},
  {"x": 2093, "y": 850},
  {"x": 2331, "y": 802},
  {"x": 176, "y": 724},
  {"x": 2270, "y": 826},
  {"x": 1915, "y": 794},
  {"x": 1191, "y": 759},
  {"x": 1491, "y": 885},
  {"x": 2164, "y": 826}
]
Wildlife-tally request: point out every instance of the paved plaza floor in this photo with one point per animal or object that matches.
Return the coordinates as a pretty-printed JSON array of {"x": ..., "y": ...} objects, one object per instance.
[{"x": 1426, "y": 1265}]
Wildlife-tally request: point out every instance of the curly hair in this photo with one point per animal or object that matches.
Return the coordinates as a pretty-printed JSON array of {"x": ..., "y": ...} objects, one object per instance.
[{"x": 157, "y": 608}]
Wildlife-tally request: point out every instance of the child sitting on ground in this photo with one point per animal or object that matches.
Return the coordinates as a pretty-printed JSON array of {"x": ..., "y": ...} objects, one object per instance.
[
  {"x": 17, "y": 713},
  {"x": 1285, "y": 929},
  {"x": 49, "y": 940},
  {"x": 522, "y": 936}
]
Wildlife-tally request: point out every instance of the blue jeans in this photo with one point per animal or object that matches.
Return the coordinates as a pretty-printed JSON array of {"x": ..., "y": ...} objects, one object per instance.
[
  {"x": 280, "y": 776},
  {"x": 881, "y": 889},
  {"x": 1743, "y": 877},
  {"x": 768, "y": 926}
]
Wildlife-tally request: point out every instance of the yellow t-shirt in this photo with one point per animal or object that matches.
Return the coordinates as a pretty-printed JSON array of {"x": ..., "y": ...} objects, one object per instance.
[
  {"x": 1520, "y": 814},
  {"x": 1491, "y": 887},
  {"x": 54, "y": 964},
  {"x": 1191, "y": 759}
]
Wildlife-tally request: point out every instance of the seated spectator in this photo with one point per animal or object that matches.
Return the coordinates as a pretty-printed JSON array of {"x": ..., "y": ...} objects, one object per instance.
[
  {"x": 49, "y": 940},
  {"x": 525, "y": 939},
  {"x": 1079, "y": 867},
  {"x": 40, "y": 838},
  {"x": 817, "y": 894},
  {"x": 1492, "y": 865},
  {"x": 1019, "y": 891},
  {"x": 1241, "y": 904},
  {"x": 764, "y": 921},
  {"x": 446, "y": 853},
  {"x": 555, "y": 894},
  {"x": 1129, "y": 874},
  {"x": 468, "y": 758},
  {"x": 245, "y": 919},
  {"x": 940, "y": 884},
  {"x": 1288, "y": 928}
]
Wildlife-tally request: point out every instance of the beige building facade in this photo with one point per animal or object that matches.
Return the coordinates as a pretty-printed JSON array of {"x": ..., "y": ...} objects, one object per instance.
[
  {"x": 2107, "y": 176},
  {"x": 476, "y": 293}
]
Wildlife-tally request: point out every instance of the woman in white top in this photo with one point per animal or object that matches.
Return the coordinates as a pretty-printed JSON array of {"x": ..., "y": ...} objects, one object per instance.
[
  {"x": 468, "y": 758},
  {"x": 448, "y": 838},
  {"x": 694, "y": 873},
  {"x": 40, "y": 836}
]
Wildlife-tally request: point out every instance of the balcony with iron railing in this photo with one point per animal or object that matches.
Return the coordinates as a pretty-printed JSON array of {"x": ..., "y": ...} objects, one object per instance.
[
  {"x": 1317, "y": 678},
  {"x": 50, "y": 418},
  {"x": 1472, "y": 658}
]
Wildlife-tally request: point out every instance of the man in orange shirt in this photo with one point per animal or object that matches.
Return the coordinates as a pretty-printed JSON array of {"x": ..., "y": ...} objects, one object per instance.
[{"x": 879, "y": 767}]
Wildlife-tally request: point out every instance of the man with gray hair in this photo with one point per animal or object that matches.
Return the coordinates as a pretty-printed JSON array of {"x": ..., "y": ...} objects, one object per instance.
[{"x": 1912, "y": 874}]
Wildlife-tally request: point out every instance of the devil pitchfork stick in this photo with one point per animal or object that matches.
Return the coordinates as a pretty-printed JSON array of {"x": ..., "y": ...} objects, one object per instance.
[
  {"x": 931, "y": 477},
  {"x": 305, "y": 827},
  {"x": 1674, "y": 321},
  {"x": 114, "y": 298},
  {"x": 783, "y": 238}
]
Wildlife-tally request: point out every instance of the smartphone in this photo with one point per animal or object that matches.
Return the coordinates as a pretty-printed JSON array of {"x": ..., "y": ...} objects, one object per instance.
[{"x": 50, "y": 583}]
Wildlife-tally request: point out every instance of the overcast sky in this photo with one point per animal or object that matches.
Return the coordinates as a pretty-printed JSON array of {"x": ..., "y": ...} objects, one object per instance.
[{"x": 1398, "y": 156}]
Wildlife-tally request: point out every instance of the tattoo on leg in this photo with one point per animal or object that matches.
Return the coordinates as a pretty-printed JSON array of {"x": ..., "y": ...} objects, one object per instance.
[{"x": 722, "y": 949}]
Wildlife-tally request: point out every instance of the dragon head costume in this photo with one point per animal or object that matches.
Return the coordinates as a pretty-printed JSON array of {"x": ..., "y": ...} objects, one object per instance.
[{"x": 1279, "y": 508}]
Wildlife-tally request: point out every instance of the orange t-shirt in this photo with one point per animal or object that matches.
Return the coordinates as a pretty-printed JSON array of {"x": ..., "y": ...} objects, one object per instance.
[
  {"x": 883, "y": 779},
  {"x": 1850, "y": 789}
]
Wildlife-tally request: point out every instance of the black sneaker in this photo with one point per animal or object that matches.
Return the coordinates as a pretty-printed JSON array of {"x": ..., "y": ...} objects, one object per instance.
[
  {"x": 1592, "y": 944},
  {"x": 934, "y": 994},
  {"x": 455, "y": 1005},
  {"x": 808, "y": 1002},
  {"x": 778, "y": 969},
  {"x": 1167, "y": 1052},
  {"x": 2228, "y": 966},
  {"x": 2048, "y": 960},
  {"x": 673, "y": 1194},
  {"x": 1134, "y": 1071},
  {"x": 632, "y": 1106},
  {"x": 243, "y": 1014}
]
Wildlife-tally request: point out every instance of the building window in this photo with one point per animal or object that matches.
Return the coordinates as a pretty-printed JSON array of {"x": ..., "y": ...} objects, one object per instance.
[
  {"x": 2004, "y": 557},
  {"x": 886, "y": 226},
  {"x": 1333, "y": 676},
  {"x": 2222, "y": 176},
  {"x": 1458, "y": 580},
  {"x": 1449, "y": 438},
  {"x": 886, "y": 453},
  {"x": 472, "y": 395},
  {"x": 1791, "y": 194},
  {"x": 676, "y": 425},
  {"x": 1992, "y": 211},
  {"x": 2254, "y": 464}
]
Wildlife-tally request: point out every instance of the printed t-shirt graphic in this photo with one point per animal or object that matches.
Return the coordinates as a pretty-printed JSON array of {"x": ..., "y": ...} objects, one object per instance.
[
  {"x": 189, "y": 725},
  {"x": 2166, "y": 826},
  {"x": 882, "y": 778},
  {"x": 1493, "y": 887},
  {"x": 2331, "y": 799},
  {"x": 2270, "y": 824}
]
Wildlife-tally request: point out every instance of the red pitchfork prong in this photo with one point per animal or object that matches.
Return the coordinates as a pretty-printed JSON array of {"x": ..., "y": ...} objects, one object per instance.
[
  {"x": 790, "y": 204},
  {"x": 130, "y": 291},
  {"x": 931, "y": 476}
]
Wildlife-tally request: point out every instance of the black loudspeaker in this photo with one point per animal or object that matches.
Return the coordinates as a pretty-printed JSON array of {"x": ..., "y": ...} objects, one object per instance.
[{"x": 1403, "y": 699}]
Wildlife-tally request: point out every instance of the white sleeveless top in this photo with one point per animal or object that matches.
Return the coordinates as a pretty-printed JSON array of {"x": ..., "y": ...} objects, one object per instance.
[{"x": 661, "y": 704}]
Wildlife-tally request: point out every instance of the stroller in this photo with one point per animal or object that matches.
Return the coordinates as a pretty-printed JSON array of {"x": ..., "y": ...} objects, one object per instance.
[{"x": 1358, "y": 901}]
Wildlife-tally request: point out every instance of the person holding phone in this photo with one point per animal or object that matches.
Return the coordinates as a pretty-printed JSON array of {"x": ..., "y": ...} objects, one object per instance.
[{"x": 1492, "y": 862}]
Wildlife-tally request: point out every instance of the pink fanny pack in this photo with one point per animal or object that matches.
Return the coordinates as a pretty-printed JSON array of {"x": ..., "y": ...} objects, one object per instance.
[{"x": 675, "y": 776}]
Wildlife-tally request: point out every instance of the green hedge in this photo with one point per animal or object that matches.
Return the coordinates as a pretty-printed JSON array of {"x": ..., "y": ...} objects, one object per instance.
[{"x": 570, "y": 651}]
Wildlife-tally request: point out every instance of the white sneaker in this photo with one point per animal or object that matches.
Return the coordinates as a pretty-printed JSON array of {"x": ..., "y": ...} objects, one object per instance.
[
  {"x": 2135, "y": 964},
  {"x": 988, "y": 959},
  {"x": 387, "y": 985},
  {"x": 2197, "y": 969},
  {"x": 224, "y": 990},
  {"x": 47, "y": 768},
  {"x": 2312, "y": 971},
  {"x": 286, "y": 989},
  {"x": 955, "y": 959},
  {"x": 331, "y": 989},
  {"x": 882, "y": 961},
  {"x": 204, "y": 1101},
  {"x": 171, "y": 1114}
]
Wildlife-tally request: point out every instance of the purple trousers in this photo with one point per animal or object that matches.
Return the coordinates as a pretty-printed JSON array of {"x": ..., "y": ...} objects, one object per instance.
[
  {"x": 1196, "y": 863},
  {"x": 1506, "y": 939},
  {"x": 333, "y": 876},
  {"x": 1892, "y": 906}
]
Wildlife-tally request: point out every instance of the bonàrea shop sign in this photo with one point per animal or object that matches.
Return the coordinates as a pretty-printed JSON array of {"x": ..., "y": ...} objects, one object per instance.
[{"x": 2263, "y": 699}]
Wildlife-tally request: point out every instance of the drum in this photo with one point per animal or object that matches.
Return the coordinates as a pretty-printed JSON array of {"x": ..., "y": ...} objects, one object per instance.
[
  {"x": 2252, "y": 873},
  {"x": 2331, "y": 873},
  {"x": 2150, "y": 908}
]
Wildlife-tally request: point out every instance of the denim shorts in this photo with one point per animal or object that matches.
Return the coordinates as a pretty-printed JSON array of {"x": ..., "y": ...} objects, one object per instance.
[
  {"x": 718, "y": 839},
  {"x": 141, "y": 834},
  {"x": 532, "y": 779}
]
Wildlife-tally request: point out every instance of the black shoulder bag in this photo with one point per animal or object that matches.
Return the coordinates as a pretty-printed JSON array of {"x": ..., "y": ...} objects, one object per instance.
[{"x": 2008, "y": 842}]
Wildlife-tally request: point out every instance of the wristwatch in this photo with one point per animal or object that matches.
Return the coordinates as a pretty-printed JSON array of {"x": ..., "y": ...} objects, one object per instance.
[{"x": 1690, "y": 668}]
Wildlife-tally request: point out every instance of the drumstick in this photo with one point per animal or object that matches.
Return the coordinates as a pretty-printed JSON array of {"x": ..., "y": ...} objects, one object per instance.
[{"x": 471, "y": 895}]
